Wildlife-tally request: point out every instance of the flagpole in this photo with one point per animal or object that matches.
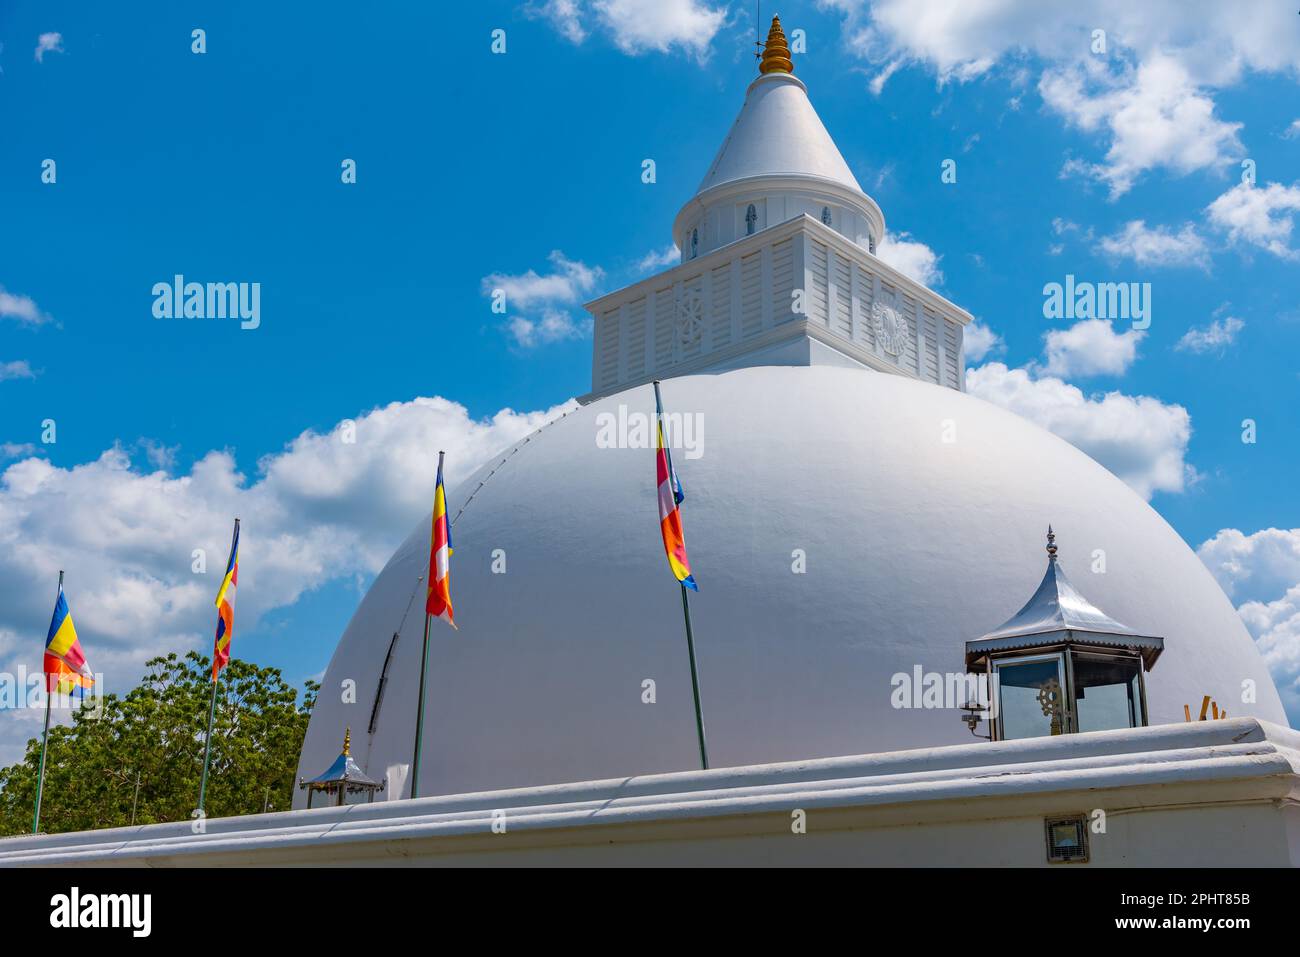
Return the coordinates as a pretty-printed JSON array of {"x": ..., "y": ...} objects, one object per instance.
[
  {"x": 212, "y": 705},
  {"x": 207, "y": 744},
  {"x": 695, "y": 681},
  {"x": 45, "y": 740},
  {"x": 686, "y": 606},
  {"x": 419, "y": 709},
  {"x": 424, "y": 668}
]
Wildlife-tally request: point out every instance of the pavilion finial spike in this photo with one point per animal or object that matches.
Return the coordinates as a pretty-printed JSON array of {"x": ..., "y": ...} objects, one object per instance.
[
  {"x": 1051, "y": 544},
  {"x": 776, "y": 52},
  {"x": 347, "y": 742}
]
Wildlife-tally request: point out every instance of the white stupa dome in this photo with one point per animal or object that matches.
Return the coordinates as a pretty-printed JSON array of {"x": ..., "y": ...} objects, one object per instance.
[{"x": 914, "y": 545}]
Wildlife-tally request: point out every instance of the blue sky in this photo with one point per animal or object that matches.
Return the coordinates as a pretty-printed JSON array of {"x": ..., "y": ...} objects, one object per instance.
[{"x": 522, "y": 170}]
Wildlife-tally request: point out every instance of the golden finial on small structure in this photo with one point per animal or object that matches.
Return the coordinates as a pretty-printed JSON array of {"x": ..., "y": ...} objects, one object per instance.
[
  {"x": 347, "y": 741},
  {"x": 776, "y": 52}
]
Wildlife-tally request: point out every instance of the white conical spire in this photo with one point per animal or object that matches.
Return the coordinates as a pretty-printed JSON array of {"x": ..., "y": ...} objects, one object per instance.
[
  {"x": 778, "y": 133},
  {"x": 778, "y": 161}
]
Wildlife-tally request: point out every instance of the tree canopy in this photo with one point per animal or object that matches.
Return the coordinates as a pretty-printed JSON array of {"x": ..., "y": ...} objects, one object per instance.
[{"x": 140, "y": 756}]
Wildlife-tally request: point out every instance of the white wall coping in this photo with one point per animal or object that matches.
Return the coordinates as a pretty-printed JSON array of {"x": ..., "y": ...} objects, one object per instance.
[{"x": 1240, "y": 760}]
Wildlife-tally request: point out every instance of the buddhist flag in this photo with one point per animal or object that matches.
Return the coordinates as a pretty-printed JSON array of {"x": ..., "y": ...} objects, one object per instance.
[
  {"x": 65, "y": 662},
  {"x": 438, "y": 598},
  {"x": 226, "y": 608},
  {"x": 670, "y": 498}
]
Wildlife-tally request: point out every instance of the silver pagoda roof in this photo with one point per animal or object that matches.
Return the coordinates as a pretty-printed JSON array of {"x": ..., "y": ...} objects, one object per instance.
[
  {"x": 344, "y": 771},
  {"x": 1057, "y": 613}
]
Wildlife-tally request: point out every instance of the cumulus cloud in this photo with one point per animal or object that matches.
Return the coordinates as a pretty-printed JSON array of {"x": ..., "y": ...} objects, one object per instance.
[
  {"x": 1259, "y": 565},
  {"x": 1160, "y": 246},
  {"x": 1264, "y": 569},
  {"x": 330, "y": 505},
  {"x": 961, "y": 41},
  {"x": 48, "y": 43},
  {"x": 1275, "y": 626},
  {"x": 17, "y": 369},
  {"x": 1156, "y": 118},
  {"x": 1261, "y": 216},
  {"x": 910, "y": 257},
  {"x": 1139, "y": 438},
  {"x": 1148, "y": 95},
  {"x": 21, "y": 309},
  {"x": 638, "y": 26},
  {"x": 1091, "y": 347},
  {"x": 1218, "y": 335},
  {"x": 670, "y": 255},
  {"x": 567, "y": 282},
  {"x": 564, "y": 15},
  {"x": 552, "y": 326},
  {"x": 642, "y": 25},
  {"x": 13, "y": 450},
  {"x": 979, "y": 342},
  {"x": 547, "y": 294}
]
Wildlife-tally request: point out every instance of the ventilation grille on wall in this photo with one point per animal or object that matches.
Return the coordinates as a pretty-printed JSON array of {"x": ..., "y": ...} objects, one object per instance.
[{"x": 1067, "y": 840}]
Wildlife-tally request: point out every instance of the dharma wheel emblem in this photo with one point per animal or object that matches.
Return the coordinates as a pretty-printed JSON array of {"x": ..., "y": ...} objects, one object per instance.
[
  {"x": 891, "y": 327},
  {"x": 1050, "y": 699},
  {"x": 690, "y": 318}
]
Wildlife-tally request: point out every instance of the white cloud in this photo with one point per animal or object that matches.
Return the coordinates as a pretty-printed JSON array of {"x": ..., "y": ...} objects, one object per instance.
[
  {"x": 1256, "y": 566},
  {"x": 553, "y": 326},
  {"x": 979, "y": 341},
  {"x": 1154, "y": 118},
  {"x": 1219, "y": 334},
  {"x": 320, "y": 510},
  {"x": 17, "y": 369},
  {"x": 13, "y": 450},
  {"x": 960, "y": 40},
  {"x": 1139, "y": 438},
  {"x": 1157, "y": 247},
  {"x": 1260, "y": 567},
  {"x": 48, "y": 43},
  {"x": 910, "y": 257},
  {"x": 1275, "y": 626},
  {"x": 21, "y": 309},
  {"x": 1262, "y": 216},
  {"x": 564, "y": 15},
  {"x": 670, "y": 255},
  {"x": 1293, "y": 131},
  {"x": 642, "y": 25},
  {"x": 567, "y": 283},
  {"x": 1149, "y": 92},
  {"x": 638, "y": 26},
  {"x": 880, "y": 79},
  {"x": 1091, "y": 347}
]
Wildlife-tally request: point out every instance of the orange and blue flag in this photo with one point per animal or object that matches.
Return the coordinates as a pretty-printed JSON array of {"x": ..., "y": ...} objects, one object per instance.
[
  {"x": 671, "y": 496},
  {"x": 437, "y": 602},
  {"x": 226, "y": 609},
  {"x": 65, "y": 662}
]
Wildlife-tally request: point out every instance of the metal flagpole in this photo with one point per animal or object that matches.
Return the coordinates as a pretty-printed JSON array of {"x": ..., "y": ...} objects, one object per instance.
[
  {"x": 212, "y": 705},
  {"x": 424, "y": 661},
  {"x": 419, "y": 711},
  {"x": 695, "y": 680},
  {"x": 45, "y": 739},
  {"x": 686, "y": 607},
  {"x": 207, "y": 746}
]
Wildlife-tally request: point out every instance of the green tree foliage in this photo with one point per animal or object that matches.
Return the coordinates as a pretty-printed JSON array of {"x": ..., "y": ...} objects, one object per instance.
[{"x": 153, "y": 738}]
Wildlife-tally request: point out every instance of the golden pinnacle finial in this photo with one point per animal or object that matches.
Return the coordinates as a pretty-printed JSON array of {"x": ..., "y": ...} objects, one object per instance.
[
  {"x": 776, "y": 52},
  {"x": 347, "y": 742}
]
